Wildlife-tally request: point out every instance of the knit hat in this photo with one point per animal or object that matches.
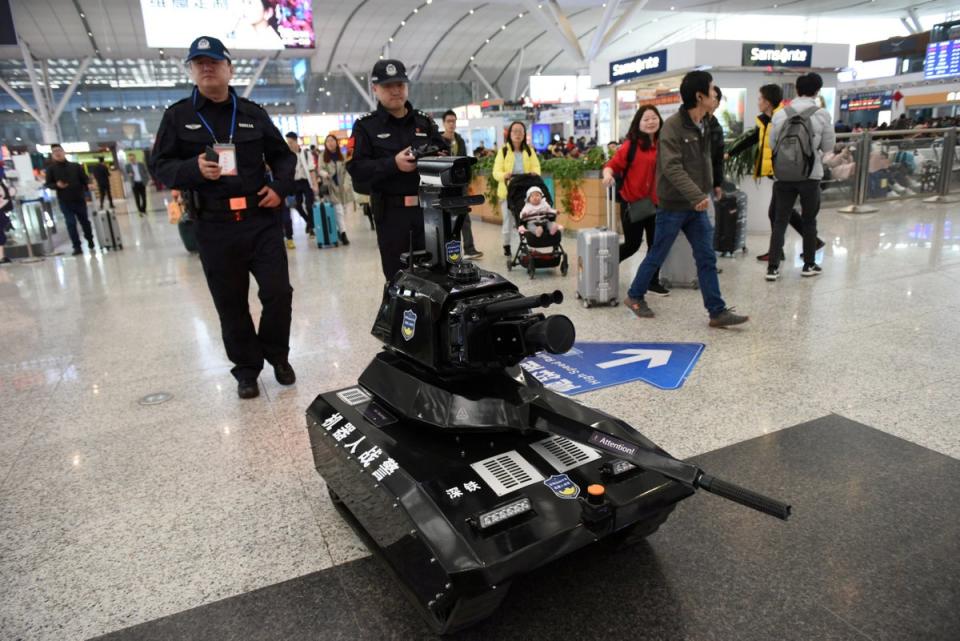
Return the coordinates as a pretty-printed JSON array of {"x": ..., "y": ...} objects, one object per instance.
[{"x": 532, "y": 190}]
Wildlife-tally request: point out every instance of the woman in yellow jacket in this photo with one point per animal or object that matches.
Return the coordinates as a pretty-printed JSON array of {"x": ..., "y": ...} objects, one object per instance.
[
  {"x": 768, "y": 102},
  {"x": 516, "y": 157}
]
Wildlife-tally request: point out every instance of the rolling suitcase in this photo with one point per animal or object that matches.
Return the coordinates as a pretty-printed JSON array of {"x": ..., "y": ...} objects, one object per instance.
[
  {"x": 731, "y": 230},
  {"x": 325, "y": 224},
  {"x": 598, "y": 261},
  {"x": 680, "y": 269},
  {"x": 107, "y": 229}
]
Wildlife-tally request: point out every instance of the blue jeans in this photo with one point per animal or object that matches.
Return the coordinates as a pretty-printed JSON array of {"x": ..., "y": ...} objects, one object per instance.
[{"x": 697, "y": 228}]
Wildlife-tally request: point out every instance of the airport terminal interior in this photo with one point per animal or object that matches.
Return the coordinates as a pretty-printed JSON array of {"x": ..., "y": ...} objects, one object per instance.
[{"x": 142, "y": 499}]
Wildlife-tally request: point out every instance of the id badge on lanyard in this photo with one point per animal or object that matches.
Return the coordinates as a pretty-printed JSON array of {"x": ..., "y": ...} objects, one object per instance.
[
  {"x": 227, "y": 151},
  {"x": 228, "y": 158}
]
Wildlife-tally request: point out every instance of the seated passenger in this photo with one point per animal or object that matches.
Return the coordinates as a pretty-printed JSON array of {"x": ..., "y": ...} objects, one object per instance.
[{"x": 537, "y": 214}]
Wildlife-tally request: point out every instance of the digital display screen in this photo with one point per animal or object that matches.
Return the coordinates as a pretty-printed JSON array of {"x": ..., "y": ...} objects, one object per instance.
[
  {"x": 541, "y": 136},
  {"x": 943, "y": 59},
  {"x": 240, "y": 24}
]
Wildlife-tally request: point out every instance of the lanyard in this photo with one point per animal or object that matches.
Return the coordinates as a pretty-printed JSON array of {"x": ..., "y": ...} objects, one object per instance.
[{"x": 233, "y": 120}]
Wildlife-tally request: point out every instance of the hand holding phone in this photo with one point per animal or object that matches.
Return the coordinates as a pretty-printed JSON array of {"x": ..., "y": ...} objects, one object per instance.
[{"x": 209, "y": 164}]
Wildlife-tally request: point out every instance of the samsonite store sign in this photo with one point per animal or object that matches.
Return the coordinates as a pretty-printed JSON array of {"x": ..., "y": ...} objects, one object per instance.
[
  {"x": 773, "y": 55},
  {"x": 643, "y": 65}
]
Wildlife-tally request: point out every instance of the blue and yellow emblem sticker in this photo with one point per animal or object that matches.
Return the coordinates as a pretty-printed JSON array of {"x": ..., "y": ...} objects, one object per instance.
[
  {"x": 409, "y": 326},
  {"x": 562, "y": 486},
  {"x": 454, "y": 253}
]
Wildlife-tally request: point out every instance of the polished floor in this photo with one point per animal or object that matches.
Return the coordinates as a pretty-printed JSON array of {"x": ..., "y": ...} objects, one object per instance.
[{"x": 117, "y": 513}]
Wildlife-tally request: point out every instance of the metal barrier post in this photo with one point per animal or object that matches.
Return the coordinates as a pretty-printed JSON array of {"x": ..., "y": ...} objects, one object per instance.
[
  {"x": 863, "y": 173},
  {"x": 946, "y": 169},
  {"x": 18, "y": 207}
]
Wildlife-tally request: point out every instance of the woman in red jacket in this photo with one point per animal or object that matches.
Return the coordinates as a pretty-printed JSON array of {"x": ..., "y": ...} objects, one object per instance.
[{"x": 636, "y": 161}]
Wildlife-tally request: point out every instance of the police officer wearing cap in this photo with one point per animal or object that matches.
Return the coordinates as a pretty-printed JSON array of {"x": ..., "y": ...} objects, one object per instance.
[
  {"x": 215, "y": 146},
  {"x": 383, "y": 164}
]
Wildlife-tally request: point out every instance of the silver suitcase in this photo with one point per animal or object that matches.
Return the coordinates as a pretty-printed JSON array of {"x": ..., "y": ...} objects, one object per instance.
[
  {"x": 680, "y": 269},
  {"x": 598, "y": 261},
  {"x": 107, "y": 229}
]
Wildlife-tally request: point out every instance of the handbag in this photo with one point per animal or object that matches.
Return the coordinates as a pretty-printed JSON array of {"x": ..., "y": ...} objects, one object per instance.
[
  {"x": 174, "y": 211},
  {"x": 640, "y": 210}
]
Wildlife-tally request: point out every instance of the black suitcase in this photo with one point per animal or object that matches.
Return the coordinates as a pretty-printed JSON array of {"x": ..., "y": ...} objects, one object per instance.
[{"x": 731, "y": 223}]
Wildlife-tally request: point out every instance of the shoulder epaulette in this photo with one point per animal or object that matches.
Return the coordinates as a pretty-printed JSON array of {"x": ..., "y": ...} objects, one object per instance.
[{"x": 367, "y": 115}]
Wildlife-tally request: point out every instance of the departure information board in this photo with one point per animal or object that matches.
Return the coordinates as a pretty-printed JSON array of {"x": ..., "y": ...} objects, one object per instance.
[{"x": 943, "y": 59}]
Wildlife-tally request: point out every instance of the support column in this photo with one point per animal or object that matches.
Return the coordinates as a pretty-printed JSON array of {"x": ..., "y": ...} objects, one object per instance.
[
  {"x": 371, "y": 103},
  {"x": 493, "y": 92},
  {"x": 256, "y": 77},
  {"x": 516, "y": 77}
]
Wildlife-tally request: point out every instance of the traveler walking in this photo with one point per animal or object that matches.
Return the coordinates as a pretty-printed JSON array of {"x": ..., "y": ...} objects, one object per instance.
[
  {"x": 799, "y": 135},
  {"x": 70, "y": 181},
  {"x": 304, "y": 184},
  {"x": 459, "y": 148},
  {"x": 101, "y": 176},
  {"x": 769, "y": 101},
  {"x": 138, "y": 176},
  {"x": 384, "y": 167},
  {"x": 336, "y": 180},
  {"x": 684, "y": 183},
  {"x": 515, "y": 157},
  {"x": 213, "y": 146},
  {"x": 636, "y": 162}
]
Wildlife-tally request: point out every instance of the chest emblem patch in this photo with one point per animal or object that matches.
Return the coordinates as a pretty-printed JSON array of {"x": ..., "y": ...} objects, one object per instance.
[
  {"x": 383, "y": 135},
  {"x": 245, "y": 125},
  {"x": 192, "y": 126}
]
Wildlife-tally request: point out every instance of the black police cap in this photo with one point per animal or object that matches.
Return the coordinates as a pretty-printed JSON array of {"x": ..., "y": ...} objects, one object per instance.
[
  {"x": 208, "y": 47},
  {"x": 388, "y": 71}
]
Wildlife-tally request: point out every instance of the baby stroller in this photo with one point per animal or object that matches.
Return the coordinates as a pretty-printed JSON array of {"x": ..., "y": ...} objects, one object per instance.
[{"x": 535, "y": 252}]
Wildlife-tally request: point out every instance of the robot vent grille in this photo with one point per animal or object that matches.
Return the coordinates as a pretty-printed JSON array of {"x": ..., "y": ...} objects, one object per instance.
[
  {"x": 564, "y": 454},
  {"x": 507, "y": 472}
]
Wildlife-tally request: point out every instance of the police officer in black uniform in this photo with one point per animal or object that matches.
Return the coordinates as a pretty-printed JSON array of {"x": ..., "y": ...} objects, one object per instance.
[
  {"x": 213, "y": 146},
  {"x": 383, "y": 164}
]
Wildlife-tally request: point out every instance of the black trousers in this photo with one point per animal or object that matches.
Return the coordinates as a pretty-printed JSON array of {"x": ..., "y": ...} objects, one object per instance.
[
  {"x": 302, "y": 191},
  {"x": 795, "y": 220},
  {"x": 633, "y": 237},
  {"x": 394, "y": 226},
  {"x": 72, "y": 212},
  {"x": 140, "y": 196},
  {"x": 105, "y": 193},
  {"x": 230, "y": 252},
  {"x": 785, "y": 195},
  {"x": 466, "y": 235}
]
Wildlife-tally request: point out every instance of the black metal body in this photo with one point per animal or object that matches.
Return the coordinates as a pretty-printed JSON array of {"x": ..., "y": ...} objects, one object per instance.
[{"x": 460, "y": 470}]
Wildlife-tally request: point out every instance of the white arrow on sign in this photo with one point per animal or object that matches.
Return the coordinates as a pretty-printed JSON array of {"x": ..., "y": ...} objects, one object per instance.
[{"x": 657, "y": 357}]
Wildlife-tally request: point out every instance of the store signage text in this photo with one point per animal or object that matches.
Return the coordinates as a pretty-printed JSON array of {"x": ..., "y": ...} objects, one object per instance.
[
  {"x": 759, "y": 55},
  {"x": 642, "y": 65}
]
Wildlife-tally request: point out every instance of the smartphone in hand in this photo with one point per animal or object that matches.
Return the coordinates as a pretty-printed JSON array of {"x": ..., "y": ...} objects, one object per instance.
[{"x": 211, "y": 155}]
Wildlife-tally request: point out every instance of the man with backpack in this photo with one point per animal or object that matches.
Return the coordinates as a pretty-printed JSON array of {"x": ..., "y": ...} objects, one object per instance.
[{"x": 799, "y": 135}]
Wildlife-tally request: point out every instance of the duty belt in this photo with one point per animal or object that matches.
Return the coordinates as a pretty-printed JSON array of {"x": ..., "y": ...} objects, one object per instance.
[
  {"x": 391, "y": 201},
  {"x": 225, "y": 209}
]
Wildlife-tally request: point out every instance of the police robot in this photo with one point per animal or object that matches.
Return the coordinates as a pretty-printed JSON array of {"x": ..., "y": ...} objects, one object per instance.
[{"x": 459, "y": 469}]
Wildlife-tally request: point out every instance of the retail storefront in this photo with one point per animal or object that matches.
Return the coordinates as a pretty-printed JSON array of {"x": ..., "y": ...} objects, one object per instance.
[
  {"x": 739, "y": 69},
  {"x": 938, "y": 104}
]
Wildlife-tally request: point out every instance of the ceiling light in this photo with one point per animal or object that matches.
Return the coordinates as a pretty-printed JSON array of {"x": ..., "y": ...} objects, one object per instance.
[
  {"x": 415, "y": 10},
  {"x": 673, "y": 8},
  {"x": 90, "y": 33},
  {"x": 502, "y": 27},
  {"x": 471, "y": 12},
  {"x": 488, "y": 40},
  {"x": 519, "y": 15},
  {"x": 391, "y": 38},
  {"x": 82, "y": 15},
  {"x": 403, "y": 22},
  {"x": 472, "y": 57}
]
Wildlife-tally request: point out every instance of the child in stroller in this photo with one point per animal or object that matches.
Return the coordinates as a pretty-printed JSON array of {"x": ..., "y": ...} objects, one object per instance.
[
  {"x": 530, "y": 203},
  {"x": 538, "y": 215}
]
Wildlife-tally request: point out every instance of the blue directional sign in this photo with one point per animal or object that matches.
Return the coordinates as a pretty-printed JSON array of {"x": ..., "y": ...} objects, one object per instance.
[{"x": 592, "y": 366}]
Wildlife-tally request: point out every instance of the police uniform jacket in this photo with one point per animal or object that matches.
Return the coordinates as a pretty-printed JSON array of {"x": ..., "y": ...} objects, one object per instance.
[
  {"x": 377, "y": 138},
  {"x": 182, "y": 137}
]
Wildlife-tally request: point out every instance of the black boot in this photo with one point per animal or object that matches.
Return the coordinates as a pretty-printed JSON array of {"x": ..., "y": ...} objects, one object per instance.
[
  {"x": 506, "y": 250},
  {"x": 343, "y": 238},
  {"x": 248, "y": 388}
]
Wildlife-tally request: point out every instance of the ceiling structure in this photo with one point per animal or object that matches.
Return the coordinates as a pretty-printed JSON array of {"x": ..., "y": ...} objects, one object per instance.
[{"x": 488, "y": 45}]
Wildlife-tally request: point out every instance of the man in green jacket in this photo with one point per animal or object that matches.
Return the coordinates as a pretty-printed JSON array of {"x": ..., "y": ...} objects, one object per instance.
[{"x": 684, "y": 184}]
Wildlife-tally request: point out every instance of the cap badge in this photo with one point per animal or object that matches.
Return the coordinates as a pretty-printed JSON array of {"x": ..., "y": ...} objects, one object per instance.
[
  {"x": 203, "y": 44},
  {"x": 391, "y": 70}
]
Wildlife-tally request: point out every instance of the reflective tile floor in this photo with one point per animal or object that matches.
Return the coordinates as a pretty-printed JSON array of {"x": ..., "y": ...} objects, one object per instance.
[{"x": 116, "y": 513}]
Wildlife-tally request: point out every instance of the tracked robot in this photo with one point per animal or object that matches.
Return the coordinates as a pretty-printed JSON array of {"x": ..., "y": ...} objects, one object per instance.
[{"x": 457, "y": 466}]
